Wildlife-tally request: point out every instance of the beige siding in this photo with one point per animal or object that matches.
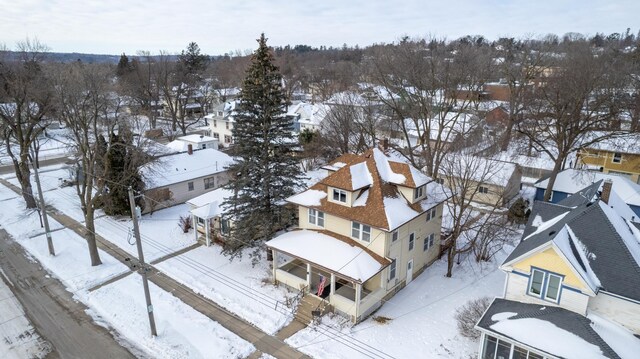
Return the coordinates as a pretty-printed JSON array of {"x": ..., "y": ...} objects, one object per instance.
[
  {"x": 618, "y": 310},
  {"x": 516, "y": 290}
]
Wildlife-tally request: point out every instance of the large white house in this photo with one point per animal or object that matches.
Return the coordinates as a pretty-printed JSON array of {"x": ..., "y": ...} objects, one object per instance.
[{"x": 365, "y": 231}]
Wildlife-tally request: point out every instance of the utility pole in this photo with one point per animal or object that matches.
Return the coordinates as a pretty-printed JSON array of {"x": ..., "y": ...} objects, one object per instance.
[
  {"x": 145, "y": 283},
  {"x": 43, "y": 209}
]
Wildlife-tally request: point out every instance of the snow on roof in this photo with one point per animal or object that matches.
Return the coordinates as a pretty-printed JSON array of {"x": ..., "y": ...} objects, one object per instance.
[
  {"x": 398, "y": 211},
  {"x": 382, "y": 164},
  {"x": 542, "y": 226},
  {"x": 563, "y": 240},
  {"x": 207, "y": 211},
  {"x": 360, "y": 176},
  {"x": 572, "y": 180},
  {"x": 628, "y": 232},
  {"x": 217, "y": 195},
  {"x": 620, "y": 339},
  {"x": 177, "y": 146},
  {"x": 479, "y": 169},
  {"x": 196, "y": 138},
  {"x": 182, "y": 167},
  {"x": 309, "y": 197},
  {"x": 546, "y": 336},
  {"x": 328, "y": 252},
  {"x": 623, "y": 143}
]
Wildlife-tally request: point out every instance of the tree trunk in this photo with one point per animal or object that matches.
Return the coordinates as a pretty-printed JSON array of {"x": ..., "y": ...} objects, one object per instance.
[
  {"x": 506, "y": 136},
  {"x": 90, "y": 236},
  {"x": 24, "y": 177},
  {"x": 552, "y": 179},
  {"x": 451, "y": 255}
]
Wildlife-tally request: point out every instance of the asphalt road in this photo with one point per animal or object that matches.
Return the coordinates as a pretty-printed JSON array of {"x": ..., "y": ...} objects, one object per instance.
[{"x": 52, "y": 310}]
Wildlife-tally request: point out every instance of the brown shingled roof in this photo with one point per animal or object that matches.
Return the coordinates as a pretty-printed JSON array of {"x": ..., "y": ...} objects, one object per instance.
[{"x": 373, "y": 212}]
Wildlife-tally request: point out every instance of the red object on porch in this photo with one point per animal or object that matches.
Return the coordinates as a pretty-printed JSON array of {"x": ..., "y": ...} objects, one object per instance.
[{"x": 321, "y": 285}]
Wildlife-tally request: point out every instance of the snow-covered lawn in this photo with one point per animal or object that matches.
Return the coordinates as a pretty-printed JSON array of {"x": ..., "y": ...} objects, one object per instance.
[
  {"x": 19, "y": 221},
  {"x": 71, "y": 263},
  {"x": 236, "y": 285},
  {"x": 182, "y": 331},
  {"x": 19, "y": 338},
  {"x": 421, "y": 317},
  {"x": 159, "y": 232}
]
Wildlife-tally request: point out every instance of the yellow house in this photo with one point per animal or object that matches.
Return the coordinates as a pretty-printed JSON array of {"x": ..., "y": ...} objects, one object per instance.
[
  {"x": 614, "y": 156},
  {"x": 578, "y": 263},
  {"x": 365, "y": 231}
]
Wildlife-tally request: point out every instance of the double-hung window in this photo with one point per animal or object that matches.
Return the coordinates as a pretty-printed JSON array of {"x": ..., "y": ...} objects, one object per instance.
[
  {"x": 316, "y": 217},
  {"x": 339, "y": 195},
  {"x": 394, "y": 236},
  {"x": 428, "y": 242},
  {"x": 419, "y": 192},
  {"x": 545, "y": 285},
  {"x": 360, "y": 231},
  {"x": 209, "y": 182},
  {"x": 483, "y": 189},
  {"x": 392, "y": 269},
  {"x": 431, "y": 214},
  {"x": 412, "y": 240},
  {"x": 190, "y": 186}
]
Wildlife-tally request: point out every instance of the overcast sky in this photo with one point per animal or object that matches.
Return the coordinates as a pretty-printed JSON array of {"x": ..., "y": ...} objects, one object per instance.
[{"x": 116, "y": 26}]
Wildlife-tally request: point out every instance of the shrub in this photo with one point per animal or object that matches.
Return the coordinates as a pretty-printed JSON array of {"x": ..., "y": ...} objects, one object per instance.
[
  {"x": 468, "y": 315},
  {"x": 185, "y": 223}
]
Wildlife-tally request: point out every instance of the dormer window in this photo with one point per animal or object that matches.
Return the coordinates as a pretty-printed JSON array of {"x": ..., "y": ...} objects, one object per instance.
[
  {"x": 339, "y": 195},
  {"x": 419, "y": 192}
]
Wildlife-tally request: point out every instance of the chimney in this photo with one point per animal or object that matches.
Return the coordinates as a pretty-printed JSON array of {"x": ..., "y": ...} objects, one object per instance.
[
  {"x": 606, "y": 191},
  {"x": 190, "y": 149}
]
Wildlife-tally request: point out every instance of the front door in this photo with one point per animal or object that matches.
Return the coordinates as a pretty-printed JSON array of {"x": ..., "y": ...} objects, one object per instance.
[{"x": 409, "y": 271}]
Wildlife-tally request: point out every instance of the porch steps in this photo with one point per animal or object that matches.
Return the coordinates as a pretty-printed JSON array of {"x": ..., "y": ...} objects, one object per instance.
[{"x": 308, "y": 305}]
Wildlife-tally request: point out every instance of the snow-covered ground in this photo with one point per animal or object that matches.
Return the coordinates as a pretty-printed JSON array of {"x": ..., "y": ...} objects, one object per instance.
[
  {"x": 237, "y": 286},
  {"x": 421, "y": 318},
  {"x": 19, "y": 338},
  {"x": 183, "y": 332}
]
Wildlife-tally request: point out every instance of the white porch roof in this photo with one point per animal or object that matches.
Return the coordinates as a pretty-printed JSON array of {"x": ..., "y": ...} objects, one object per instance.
[
  {"x": 351, "y": 261},
  {"x": 207, "y": 211}
]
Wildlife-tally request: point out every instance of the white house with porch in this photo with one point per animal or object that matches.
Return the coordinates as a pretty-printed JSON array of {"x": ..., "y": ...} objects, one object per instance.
[
  {"x": 365, "y": 231},
  {"x": 208, "y": 215}
]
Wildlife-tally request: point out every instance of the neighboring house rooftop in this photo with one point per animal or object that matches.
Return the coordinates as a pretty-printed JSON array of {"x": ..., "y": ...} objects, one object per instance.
[
  {"x": 558, "y": 331},
  {"x": 478, "y": 169},
  {"x": 571, "y": 180},
  {"x": 625, "y": 143},
  {"x": 601, "y": 245},
  {"x": 379, "y": 203},
  {"x": 196, "y": 138},
  {"x": 182, "y": 167}
]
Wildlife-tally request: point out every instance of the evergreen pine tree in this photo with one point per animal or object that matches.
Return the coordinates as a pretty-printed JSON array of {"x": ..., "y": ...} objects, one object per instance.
[{"x": 266, "y": 172}]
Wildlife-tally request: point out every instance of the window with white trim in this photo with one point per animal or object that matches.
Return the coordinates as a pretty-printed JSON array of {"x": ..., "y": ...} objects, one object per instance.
[
  {"x": 227, "y": 139},
  {"x": 428, "y": 242},
  {"x": 419, "y": 192},
  {"x": 483, "y": 189},
  {"x": 316, "y": 217},
  {"x": 216, "y": 136},
  {"x": 190, "y": 186},
  {"x": 494, "y": 348},
  {"x": 215, "y": 123},
  {"x": 209, "y": 182},
  {"x": 412, "y": 238},
  {"x": 431, "y": 214},
  {"x": 392, "y": 269},
  {"x": 360, "y": 231},
  {"x": 617, "y": 157},
  {"x": 394, "y": 236},
  {"x": 545, "y": 285},
  {"x": 339, "y": 195}
]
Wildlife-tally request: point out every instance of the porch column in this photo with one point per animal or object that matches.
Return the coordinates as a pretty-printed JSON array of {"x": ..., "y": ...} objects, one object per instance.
[
  {"x": 274, "y": 264},
  {"x": 206, "y": 232},
  {"x": 358, "y": 295},
  {"x": 194, "y": 220},
  {"x": 333, "y": 284},
  {"x": 309, "y": 277}
]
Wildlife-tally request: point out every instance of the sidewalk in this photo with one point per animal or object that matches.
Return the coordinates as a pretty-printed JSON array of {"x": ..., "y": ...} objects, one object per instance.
[{"x": 263, "y": 342}]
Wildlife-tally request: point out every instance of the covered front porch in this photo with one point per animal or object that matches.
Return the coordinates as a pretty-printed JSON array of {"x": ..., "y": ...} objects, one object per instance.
[{"x": 347, "y": 277}]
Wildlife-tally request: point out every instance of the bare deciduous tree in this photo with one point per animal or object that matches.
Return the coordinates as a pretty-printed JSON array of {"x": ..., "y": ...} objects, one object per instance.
[{"x": 25, "y": 101}]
